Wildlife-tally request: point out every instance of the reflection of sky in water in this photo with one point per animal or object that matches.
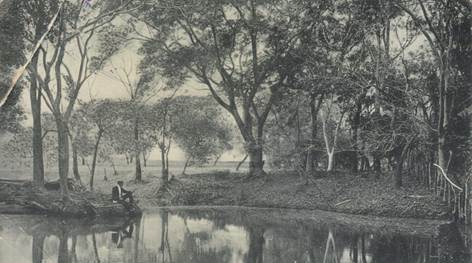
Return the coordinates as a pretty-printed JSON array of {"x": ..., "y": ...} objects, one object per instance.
[
  {"x": 231, "y": 236},
  {"x": 14, "y": 247},
  {"x": 188, "y": 239}
]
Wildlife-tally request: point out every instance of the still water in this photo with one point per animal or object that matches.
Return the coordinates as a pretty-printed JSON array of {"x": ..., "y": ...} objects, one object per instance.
[{"x": 211, "y": 235}]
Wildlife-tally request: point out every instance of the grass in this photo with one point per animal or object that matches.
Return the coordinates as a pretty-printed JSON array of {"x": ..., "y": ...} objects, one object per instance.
[
  {"x": 125, "y": 172},
  {"x": 105, "y": 179}
]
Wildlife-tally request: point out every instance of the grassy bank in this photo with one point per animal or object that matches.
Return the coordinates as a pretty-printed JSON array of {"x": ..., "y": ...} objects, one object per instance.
[{"x": 335, "y": 192}]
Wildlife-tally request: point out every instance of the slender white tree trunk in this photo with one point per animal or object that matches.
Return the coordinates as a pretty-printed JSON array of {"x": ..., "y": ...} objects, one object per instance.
[
  {"x": 330, "y": 161},
  {"x": 330, "y": 146}
]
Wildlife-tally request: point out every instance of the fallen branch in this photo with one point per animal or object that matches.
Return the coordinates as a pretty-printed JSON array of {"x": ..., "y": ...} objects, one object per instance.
[{"x": 343, "y": 202}]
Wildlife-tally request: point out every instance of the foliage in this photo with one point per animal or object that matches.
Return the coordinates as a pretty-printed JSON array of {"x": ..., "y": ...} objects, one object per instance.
[
  {"x": 12, "y": 35},
  {"x": 200, "y": 129}
]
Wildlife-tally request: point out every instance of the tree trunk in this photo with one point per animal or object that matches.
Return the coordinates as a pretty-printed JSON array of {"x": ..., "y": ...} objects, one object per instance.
[
  {"x": 63, "y": 156},
  {"x": 398, "y": 168},
  {"x": 442, "y": 159},
  {"x": 115, "y": 172},
  {"x": 38, "y": 159},
  {"x": 314, "y": 110},
  {"x": 330, "y": 147},
  {"x": 217, "y": 159},
  {"x": 256, "y": 162},
  {"x": 377, "y": 165},
  {"x": 75, "y": 164},
  {"x": 164, "y": 168},
  {"x": 301, "y": 162},
  {"x": 186, "y": 165},
  {"x": 94, "y": 159},
  {"x": 355, "y": 137},
  {"x": 330, "y": 167},
  {"x": 241, "y": 162},
  {"x": 138, "y": 172},
  {"x": 144, "y": 159}
]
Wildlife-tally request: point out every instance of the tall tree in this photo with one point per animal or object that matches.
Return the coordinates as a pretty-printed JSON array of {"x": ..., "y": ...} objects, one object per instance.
[
  {"x": 103, "y": 115},
  {"x": 139, "y": 91},
  {"x": 40, "y": 14},
  {"x": 233, "y": 48},
  {"x": 437, "y": 21},
  {"x": 75, "y": 29}
]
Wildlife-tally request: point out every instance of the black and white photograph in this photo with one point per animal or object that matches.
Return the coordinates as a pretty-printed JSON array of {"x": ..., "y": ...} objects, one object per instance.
[{"x": 235, "y": 131}]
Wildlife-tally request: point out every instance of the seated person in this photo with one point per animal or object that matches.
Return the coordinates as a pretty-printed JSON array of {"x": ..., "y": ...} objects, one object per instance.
[{"x": 119, "y": 194}]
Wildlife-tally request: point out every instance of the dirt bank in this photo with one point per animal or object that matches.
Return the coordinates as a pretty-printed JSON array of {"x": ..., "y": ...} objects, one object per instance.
[
  {"x": 334, "y": 192},
  {"x": 20, "y": 197}
]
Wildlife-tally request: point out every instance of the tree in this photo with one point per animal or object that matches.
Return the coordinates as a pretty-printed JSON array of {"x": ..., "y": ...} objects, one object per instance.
[
  {"x": 43, "y": 17},
  {"x": 331, "y": 140},
  {"x": 330, "y": 34},
  {"x": 103, "y": 114},
  {"x": 77, "y": 25},
  {"x": 159, "y": 127},
  {"x": 233, "y": 49},
  {"x": 200, "y": 129},
  {"x": 437, "y": 21},
  {"x": 81, "y": 141},
  {"x": 140, "y": 90}
]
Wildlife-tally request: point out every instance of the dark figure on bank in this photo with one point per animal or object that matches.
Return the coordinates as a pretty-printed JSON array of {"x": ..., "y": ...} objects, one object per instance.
[{"x": 120, "y": 195}]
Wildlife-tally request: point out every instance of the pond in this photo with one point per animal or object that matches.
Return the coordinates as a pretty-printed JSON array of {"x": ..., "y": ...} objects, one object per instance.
[{"x": 222, "y": 235}]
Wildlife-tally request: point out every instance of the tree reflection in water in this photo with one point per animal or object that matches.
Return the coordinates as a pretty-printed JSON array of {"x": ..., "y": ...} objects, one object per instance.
[
  {"x": 330, "y": 255},
  {"x": 165, "y": 251},
  {"x": 38, "y": 244},
  {"x": 218, "y": 237},
  {"x": 256, "y": 245}
]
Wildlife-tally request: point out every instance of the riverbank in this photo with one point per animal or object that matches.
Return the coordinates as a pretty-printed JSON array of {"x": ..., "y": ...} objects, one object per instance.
[
  {"x": 343, "y": 193},
  {"x": 21, "y": 197},
  {"x": 339, "y": 192}
]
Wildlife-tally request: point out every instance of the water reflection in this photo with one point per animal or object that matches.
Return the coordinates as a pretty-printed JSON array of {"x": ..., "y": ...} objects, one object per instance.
[{"x": 213, "y": 236}]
